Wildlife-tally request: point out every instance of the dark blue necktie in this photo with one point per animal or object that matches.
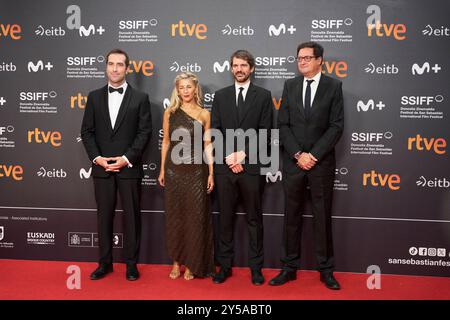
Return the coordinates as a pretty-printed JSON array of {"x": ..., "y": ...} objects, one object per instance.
[{"x": 308, "y": 99}]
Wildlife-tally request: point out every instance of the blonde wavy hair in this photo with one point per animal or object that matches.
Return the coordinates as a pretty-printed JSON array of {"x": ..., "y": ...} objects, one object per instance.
[{"x": 175, "y": 100}]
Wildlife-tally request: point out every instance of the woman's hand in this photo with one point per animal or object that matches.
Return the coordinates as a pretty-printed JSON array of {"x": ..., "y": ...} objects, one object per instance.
[
  {"x": 161, "y": 178},
  {"x": 210, "y": 184}
]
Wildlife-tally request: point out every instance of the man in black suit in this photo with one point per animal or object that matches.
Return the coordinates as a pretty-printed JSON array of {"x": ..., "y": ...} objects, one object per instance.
[
  {"x": 311, "y": 121},
  {"x": 115, "y": 130},
  {"x": 246, "y": 108}
]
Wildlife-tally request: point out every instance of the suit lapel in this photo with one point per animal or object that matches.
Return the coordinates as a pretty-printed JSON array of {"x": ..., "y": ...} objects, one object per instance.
[
  {"x": 249, "y": 99},
  {"x": 321, "y": 89},
  {"x": 104, "y": 108},
  {"x": 299, "y": 96},
  {"x": 123, "y": 108},
  {"x": 231, "y": 96}
]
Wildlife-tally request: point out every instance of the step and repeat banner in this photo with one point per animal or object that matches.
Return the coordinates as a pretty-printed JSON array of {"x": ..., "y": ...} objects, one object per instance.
[{"x": 391, "y": 203}]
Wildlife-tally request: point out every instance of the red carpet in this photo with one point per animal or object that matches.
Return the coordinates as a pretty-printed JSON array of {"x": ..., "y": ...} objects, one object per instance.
[{"x": 20, "y": 279}]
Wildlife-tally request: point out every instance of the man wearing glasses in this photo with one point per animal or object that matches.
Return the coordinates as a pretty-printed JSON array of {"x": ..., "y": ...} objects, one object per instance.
[{"x": 311, "y": 121}]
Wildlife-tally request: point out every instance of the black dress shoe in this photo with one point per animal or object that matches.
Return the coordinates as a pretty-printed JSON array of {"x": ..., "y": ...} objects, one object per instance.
[
  {"x": 132, "y": 272},
  {"x": 283, "y": 277},
  {"x": 330, "y": 281},
  {"x": 222, "y": 275},
  {"x": 101, "y": 271},
  {"x": 257, "y": 277}
]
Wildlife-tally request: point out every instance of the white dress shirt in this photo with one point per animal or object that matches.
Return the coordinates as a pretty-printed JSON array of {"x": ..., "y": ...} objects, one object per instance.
[
  {"x": 114, "y": 102},
  {"x": 244, "y": 92},
  {"x": 314, "y": 86}
]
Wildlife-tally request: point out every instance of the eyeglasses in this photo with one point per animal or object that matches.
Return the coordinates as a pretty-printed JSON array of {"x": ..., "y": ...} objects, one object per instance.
[{"x": 306, "y": 58}]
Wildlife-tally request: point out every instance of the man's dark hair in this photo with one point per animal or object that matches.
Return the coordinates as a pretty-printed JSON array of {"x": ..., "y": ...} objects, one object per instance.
[
  {"x": 119, "y": 51},
  {"x": 244, "y": 55},
  {"x": 317, "y": 48}
]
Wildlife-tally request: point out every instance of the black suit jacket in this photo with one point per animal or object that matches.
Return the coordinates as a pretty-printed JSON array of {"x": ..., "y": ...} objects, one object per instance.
[
  {"x": 257, "y": 114},
  {"x": 317, "y": 135},
  {"x": 129, "y": 136}
]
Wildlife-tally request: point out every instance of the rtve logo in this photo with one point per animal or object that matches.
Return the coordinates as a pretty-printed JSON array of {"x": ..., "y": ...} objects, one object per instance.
[
  {"x": 276, "y": 103},
  {"x": 337, "y": 68},
  {"x": 421, "y": 100},
  {"x": 84, "y": 61},
  {"x": 39, "y": 66},
  {"x": 12, "y": 171},
  {"x": 370, "y": 105},
  {"x": 12, "y": 31},
  {"x": 141, "y": 66},
  {"x": 36, "y": 96},
  {"x": 427, "y": 144},
  {"x": 330, "y": 23},
  {"x": 397, "y": 31},
  {"x": 425, "y": 68},
  {"x": 281, "y": 29},
  {"x": 189, "y": 30},
  {"x": 73, "y": 22},
  {"x": 392, "y": 181},
  {"x": 438, "y": 32},
  {"x": 78, "y": 101},
  {"x": 39, "y": 136}
]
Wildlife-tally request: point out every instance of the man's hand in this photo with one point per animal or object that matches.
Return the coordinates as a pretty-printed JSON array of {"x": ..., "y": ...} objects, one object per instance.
[
  {"x": 119, "y": 163},
  {"x": 306, "y": 161},
  {"x": 234, "y": 161},
  {"x": 102, "y": 161}
]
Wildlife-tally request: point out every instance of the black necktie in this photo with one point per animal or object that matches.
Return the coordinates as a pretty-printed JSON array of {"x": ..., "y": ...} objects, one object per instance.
[
  {"x": 308, "y": 99},
  {"x": 119, "y": 90},
  {"x": 240, "y": 104}
]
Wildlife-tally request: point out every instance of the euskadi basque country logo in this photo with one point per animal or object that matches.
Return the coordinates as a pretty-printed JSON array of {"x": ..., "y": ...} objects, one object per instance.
[
  {"x": 7, "y": 67},
  {"x": 441, "y": 31},
  {"x": 229, "y": 30}
]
